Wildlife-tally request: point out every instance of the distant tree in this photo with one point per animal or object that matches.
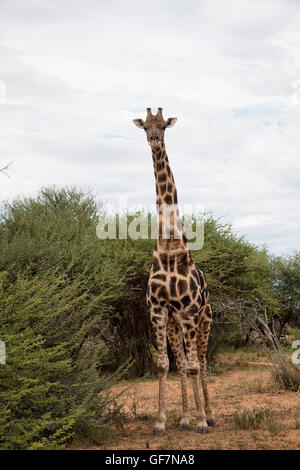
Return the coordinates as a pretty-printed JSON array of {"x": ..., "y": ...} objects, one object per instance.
[{"x": 286, "y": 286}]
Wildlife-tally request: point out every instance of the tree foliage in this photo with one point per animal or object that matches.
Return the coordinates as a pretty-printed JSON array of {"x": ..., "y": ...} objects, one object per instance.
[
  {"x": 56, "y": 288},
  {"x": 286, "y": 287}
]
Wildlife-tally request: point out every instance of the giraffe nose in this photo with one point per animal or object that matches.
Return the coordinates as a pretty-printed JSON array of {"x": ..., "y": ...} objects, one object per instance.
[{"x": 154, "y": 138}]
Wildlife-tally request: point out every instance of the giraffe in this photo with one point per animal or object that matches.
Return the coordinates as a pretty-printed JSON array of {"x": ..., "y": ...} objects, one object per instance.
[{"x": 177, "y": 294}]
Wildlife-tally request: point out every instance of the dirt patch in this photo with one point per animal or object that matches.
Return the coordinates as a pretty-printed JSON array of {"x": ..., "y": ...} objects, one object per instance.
[{"x": 236, "y": 389}]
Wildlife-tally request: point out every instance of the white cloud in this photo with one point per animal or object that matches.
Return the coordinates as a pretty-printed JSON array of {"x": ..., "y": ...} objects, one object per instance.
[{"x": 77, "y": 73}]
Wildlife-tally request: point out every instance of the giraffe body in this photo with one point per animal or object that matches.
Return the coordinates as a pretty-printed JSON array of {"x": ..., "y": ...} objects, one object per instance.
[{"x": 177, "y": 294}]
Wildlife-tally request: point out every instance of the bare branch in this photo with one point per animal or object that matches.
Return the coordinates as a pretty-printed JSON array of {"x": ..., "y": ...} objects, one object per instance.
[{"x": 5, "y": 168}]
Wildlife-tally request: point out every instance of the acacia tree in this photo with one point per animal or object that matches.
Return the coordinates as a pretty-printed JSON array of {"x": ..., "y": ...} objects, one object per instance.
[{"x": 286, "y": 286}]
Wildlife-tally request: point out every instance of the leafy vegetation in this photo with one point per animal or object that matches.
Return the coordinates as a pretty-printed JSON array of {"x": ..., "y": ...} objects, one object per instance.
[
  {"x": 53, "y": 300},
  {"x": 251, "y": 419},
  {"x": 286, "y": 287}
]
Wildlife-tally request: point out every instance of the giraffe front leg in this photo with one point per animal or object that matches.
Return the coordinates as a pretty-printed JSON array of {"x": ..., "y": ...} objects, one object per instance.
[
  {"x": 158, "y": 319},
  {"x": 193, "y": 371},
  {"x": 175, "y": 338},
  {"x": 185, "y": 417},
  {"x": 200, "y": 413}
]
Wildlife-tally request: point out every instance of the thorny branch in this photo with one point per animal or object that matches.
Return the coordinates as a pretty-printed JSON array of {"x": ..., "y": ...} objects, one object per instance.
[{"x": 269, "y": 336}]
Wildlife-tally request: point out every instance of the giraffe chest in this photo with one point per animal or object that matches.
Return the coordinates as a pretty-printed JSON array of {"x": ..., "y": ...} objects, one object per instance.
[{"x": 179, "y": 291}]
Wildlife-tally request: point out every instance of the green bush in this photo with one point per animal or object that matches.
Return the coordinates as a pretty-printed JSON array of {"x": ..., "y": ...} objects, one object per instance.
[
  {"x": 286, "y": 287},
  {"x": 44, "y": 393},
  {"x": 54, "y": 296},
  {"x": 251, "y": 419}
]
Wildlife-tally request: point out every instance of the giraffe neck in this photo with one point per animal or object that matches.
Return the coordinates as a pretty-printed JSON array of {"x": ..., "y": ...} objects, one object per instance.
[
  {"x": 170, "y": 229},
  {"x": 166, "y": 192}
]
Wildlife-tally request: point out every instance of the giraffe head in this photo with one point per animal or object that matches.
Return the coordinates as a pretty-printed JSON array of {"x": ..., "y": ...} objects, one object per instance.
[{"x": 155, "y": 127}]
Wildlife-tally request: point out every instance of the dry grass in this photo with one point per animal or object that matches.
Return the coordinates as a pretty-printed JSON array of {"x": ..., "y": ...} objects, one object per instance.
[{"x": 287, "y": 377}]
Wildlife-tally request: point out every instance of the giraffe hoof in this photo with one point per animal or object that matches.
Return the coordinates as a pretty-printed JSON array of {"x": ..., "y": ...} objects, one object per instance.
[
  {"x": 211, "y": 422},
  {"x": 202, "y": 429},
  {"x": 184, "y": 427},
  {"x": 158, "y": 431}
]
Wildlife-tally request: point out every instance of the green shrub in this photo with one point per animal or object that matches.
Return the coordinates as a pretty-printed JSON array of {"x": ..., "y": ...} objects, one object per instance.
[
  {"x": 44, "y": 394},
  {"x": 286, "y": 287},
  {"x": 251, "y": 419},
  {"x": 57, "y": 284}
]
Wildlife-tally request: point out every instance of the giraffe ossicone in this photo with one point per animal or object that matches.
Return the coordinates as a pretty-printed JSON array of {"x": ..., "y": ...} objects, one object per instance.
[{"x": 177, "y": 294}]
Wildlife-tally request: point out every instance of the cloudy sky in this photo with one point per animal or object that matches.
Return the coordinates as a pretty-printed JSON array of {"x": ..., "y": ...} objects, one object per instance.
[{"x": 74, "y": 73}]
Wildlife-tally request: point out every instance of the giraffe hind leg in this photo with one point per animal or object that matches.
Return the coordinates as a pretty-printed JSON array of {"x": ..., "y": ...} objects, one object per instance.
[
  {"x": 193, "y": 371},
  {"x": 202, "y": 341}
]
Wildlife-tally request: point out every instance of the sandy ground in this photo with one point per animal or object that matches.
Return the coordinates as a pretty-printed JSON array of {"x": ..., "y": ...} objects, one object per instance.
[{"x": 241, "y": 386}]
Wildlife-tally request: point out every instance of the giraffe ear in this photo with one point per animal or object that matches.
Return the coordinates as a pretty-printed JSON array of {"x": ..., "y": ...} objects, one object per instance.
[
  {"x": 139, "y": 123},
  {"x": 170, "y": 122}
]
